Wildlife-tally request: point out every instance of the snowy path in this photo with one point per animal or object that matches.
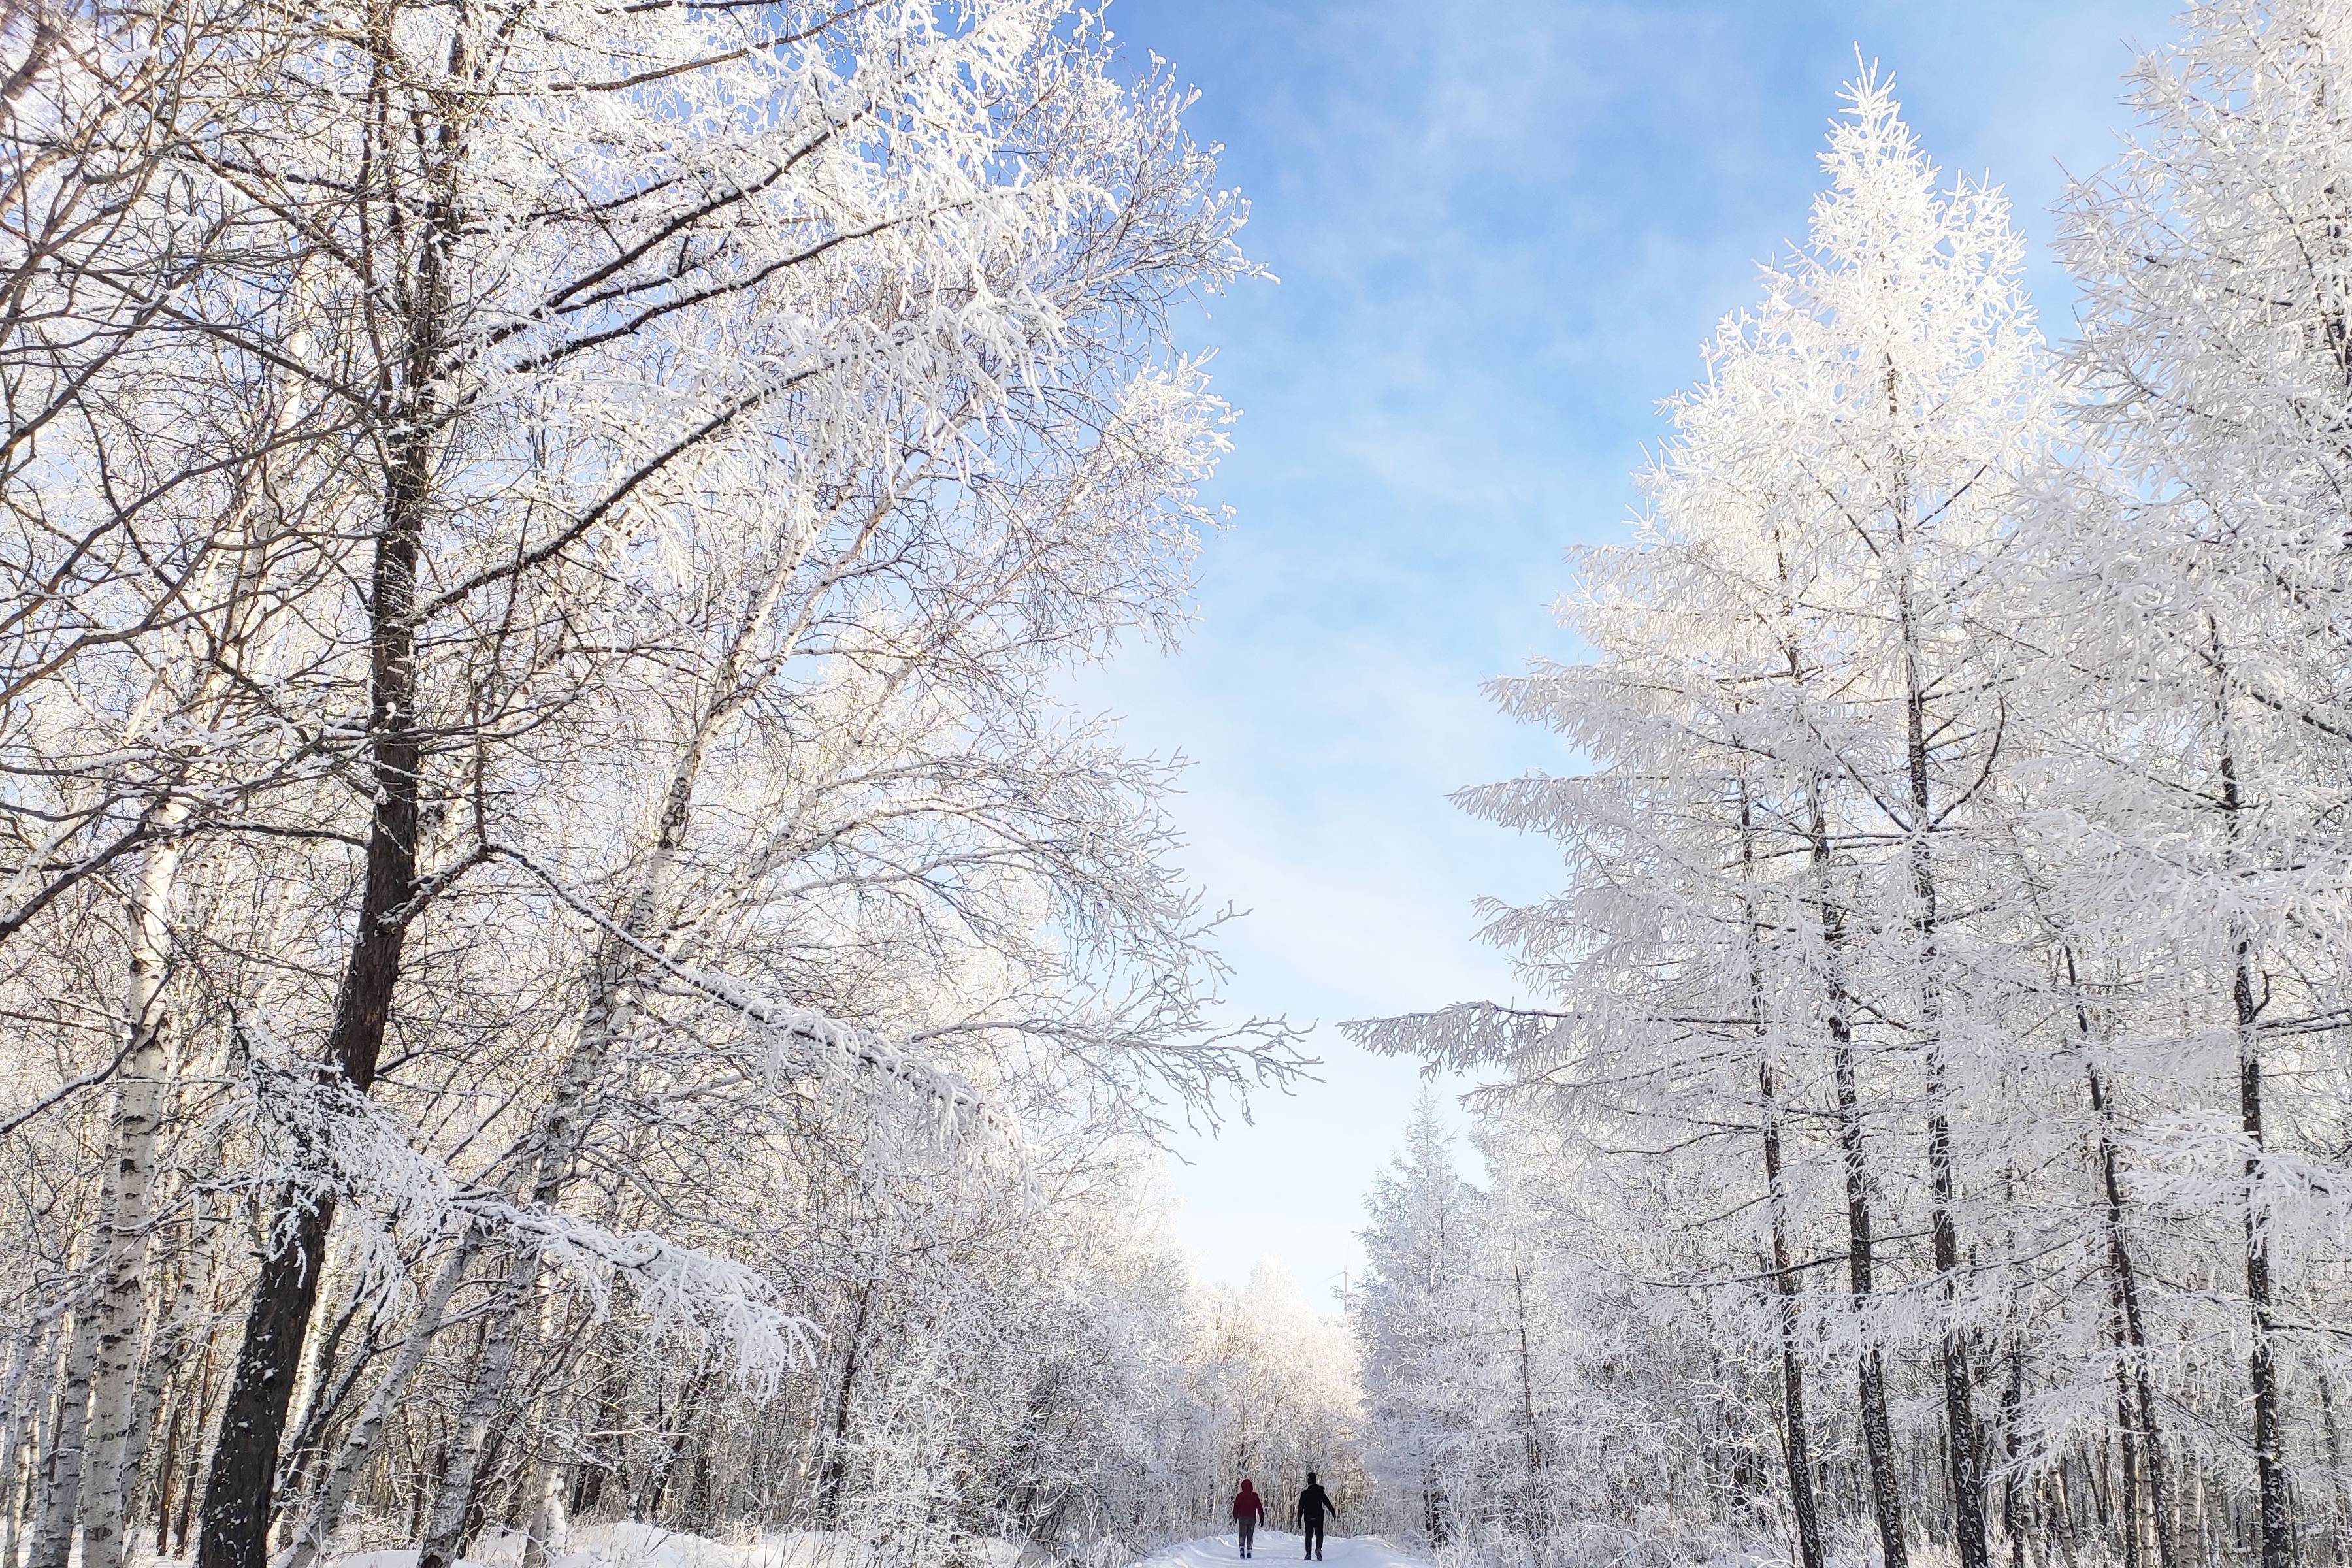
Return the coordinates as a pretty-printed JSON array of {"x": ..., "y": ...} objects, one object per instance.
[{"x": 1275, "y": 1546}]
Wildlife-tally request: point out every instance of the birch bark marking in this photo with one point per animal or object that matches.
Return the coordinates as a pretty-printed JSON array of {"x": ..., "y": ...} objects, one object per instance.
[
  {"x": 69, "y": 1445},
  {"x": 138, "y": 1119}
]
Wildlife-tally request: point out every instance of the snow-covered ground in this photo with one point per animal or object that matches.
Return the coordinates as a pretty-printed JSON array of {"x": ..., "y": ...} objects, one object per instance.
[
  {"x": 630, "y": 1544},
  {"x": 1278, "y": 1546}
]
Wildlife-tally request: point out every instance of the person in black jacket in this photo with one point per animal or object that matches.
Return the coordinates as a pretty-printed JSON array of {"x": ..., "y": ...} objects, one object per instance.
[{"x": 1313, "y": 1504}]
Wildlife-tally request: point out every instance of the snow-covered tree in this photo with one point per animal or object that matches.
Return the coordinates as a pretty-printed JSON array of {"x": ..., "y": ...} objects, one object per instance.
[
  {"x": 2204, "y": 556},
  {"x": 549, "y": 541},
  {"x": 1953, "y": 868},
  {"x": 1420, "y": 1290}
]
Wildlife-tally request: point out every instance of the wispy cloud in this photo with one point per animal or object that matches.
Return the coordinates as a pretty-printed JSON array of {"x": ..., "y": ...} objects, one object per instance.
[{"x": 1504, "y": 231}]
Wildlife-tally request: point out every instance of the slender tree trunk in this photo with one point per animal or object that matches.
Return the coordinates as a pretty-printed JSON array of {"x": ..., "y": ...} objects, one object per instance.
[
  {"x": 2128, "y": 1309},
  {"x": 314, "y": 1389},
  {"x": 2012, "y": 1402},
  {"x": 1967, "y": 1473},
  {"x": 206, "y": 1424},
  {"x": 1797, "y": 1442},
  {"x": 557, "y": 1133},
  {"x": 359, "y": 1442},
  {"x": 137, "y": 1120},
  {"x": 238, "y": 1494},
  {"x": 557, "y": 1136},
  {"x": 53, "y": 1528},
  {"x": 1878, "y": 1431},
  {"x": 166, "y": 1475},
  {"x": 836, "y": 1484},
  {"x": 2126, "y": 1442},
  {"x": 543, "y": 1495},
  {"x": 1532, "y": 1437},
  {"x": 2341, "y": 1497},
  {"x": 20, "y": 1431},
  {"x": 446, "y": 1522},
  {"x": 1870, "y": 1371},
  {"x": 2270, "y": 1466},
  {"x": 180, "y": 1329},
  {"x": 18, "y": 1483},
  {"x": 2270, "y": 1460},
  {"x": 1796, "y": 1437}
]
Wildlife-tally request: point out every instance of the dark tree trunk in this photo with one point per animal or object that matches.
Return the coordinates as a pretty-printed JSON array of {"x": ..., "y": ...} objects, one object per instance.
[
  {"x": 2270, "y": 1464},
  {"x": 1870, "y": 1373},
  {"x": 2012, "y": 1402},
  {"x": 238, "y": 1492},
  {"x": 2130, "y": 1445},
  {"x": 1870, "y": 1376},
  {"x": 2270, "y": 1459},
  {"x": 836, "y": 1462},
  {"x": 2129, "y": 1323},
  {"x": 1963, "y": 1460},
  {"x": 1878, "y": 1431},
  {"x": 1796, "y": 1441}
]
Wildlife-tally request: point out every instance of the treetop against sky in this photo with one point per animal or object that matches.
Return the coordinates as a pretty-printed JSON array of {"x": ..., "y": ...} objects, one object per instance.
[{"x": 1501, "y": 231}]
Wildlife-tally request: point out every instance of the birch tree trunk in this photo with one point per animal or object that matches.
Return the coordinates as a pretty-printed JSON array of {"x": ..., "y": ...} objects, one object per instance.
[
  {"x": 41, "y": 1431},
  {"x": 52, "y": 1528},
  {"x": 178, "y": 1330},
  {"x": 138, "y": 1119},
  {"x": 359, "y": 1446}
]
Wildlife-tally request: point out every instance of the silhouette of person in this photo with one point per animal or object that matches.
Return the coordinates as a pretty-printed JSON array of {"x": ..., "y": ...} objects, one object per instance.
[{"x": 1313, "y": 1504}]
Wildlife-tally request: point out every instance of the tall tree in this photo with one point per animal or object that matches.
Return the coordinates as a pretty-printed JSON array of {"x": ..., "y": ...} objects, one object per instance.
[{"x": 2216, "y": 376}]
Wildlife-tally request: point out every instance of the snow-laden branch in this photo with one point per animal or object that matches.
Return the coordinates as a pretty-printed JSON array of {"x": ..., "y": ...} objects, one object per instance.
[
  {"x": 1459, "y": 1037},
  {"x": 324, "y": 1140},
  {"x": 798, "y": 1037}
]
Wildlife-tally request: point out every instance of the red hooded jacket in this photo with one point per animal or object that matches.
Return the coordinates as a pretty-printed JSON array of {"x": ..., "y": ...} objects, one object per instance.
[{"x": 1247, "y": 1509}]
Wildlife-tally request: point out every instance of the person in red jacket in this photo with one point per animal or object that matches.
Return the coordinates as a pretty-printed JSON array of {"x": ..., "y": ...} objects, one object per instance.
[{"x": 1247, "y": 1511}]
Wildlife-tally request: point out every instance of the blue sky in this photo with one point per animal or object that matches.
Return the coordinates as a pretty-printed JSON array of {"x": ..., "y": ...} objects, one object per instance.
[{"x": 1503, "y": 232}]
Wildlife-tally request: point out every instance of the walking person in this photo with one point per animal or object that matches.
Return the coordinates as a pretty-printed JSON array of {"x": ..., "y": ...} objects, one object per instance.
[
  {"x": 1248, "y": 1508},
  {"x": 1313, "y": 1504}
]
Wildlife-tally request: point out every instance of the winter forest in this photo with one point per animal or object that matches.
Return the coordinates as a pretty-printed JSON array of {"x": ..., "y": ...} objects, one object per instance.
[{"x": 579, "y": 986}]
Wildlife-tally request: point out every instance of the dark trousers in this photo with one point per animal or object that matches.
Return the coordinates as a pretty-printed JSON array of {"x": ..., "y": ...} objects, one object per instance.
[
  {"x": 1249, "y": 1532},
  {"x": 1315, "y": 1536}
]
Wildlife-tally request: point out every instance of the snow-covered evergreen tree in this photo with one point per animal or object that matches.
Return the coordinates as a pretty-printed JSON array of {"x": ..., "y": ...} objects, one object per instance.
[
  {"x": 1954, "y": 875},
  {"x": 1413, "y": 1308}
]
